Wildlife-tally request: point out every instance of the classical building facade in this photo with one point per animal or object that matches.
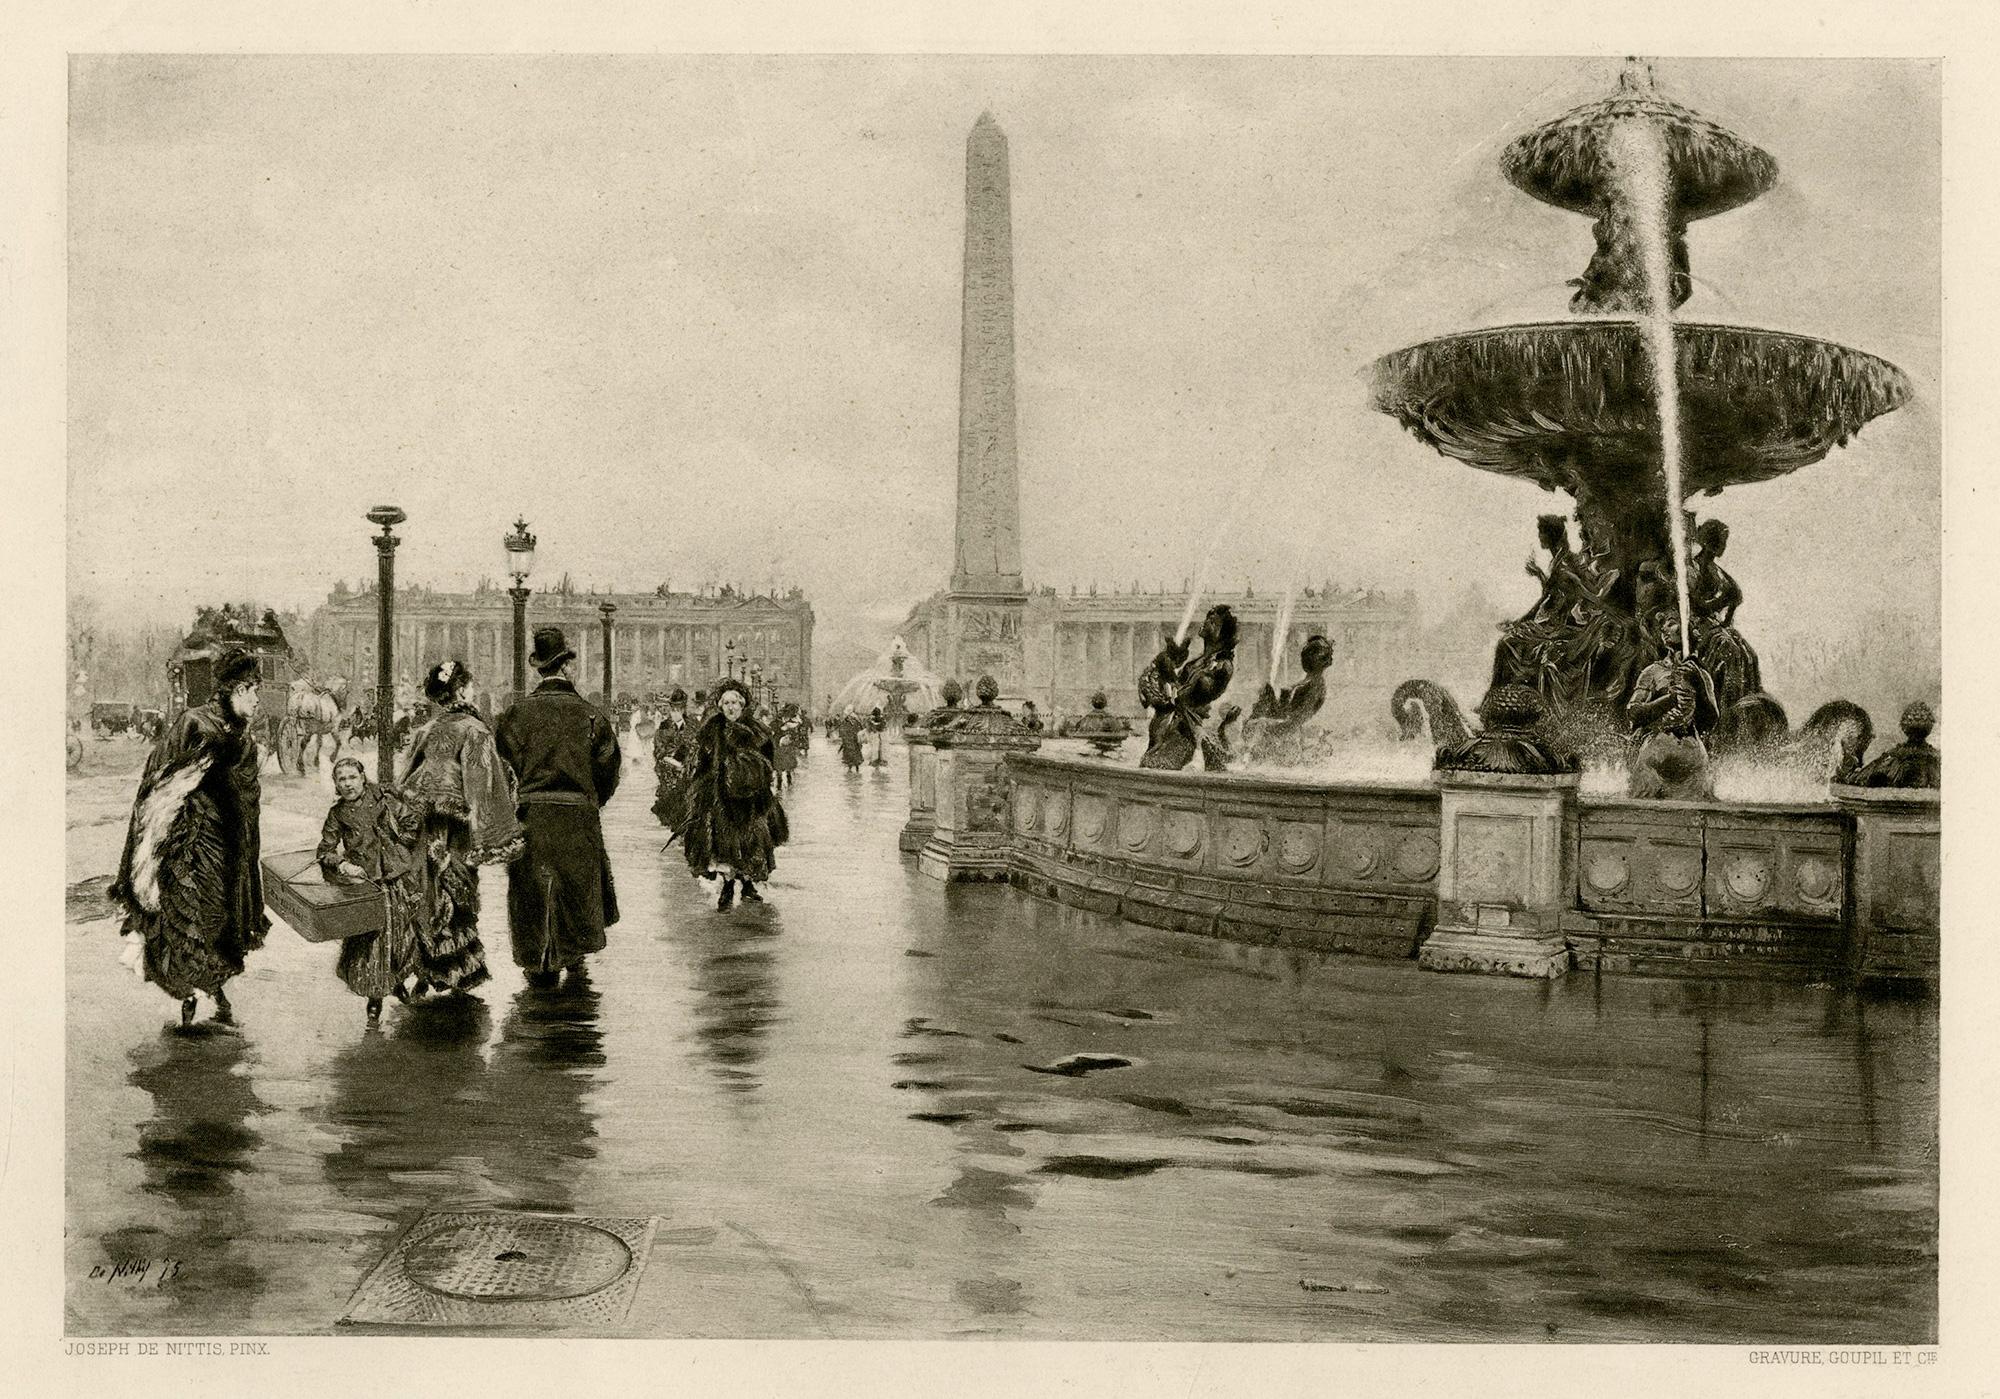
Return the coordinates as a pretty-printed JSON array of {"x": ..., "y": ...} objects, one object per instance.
[
  {"x": 659, "y": 639},
  {"x": 1072, "y": 645}
]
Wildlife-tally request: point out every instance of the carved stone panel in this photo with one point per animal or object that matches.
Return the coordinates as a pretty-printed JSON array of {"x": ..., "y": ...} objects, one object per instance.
[
  {"x": 1298, "y": 847},
  {"x": 1181, "y": 833},
  {"x": 1092, "y": 812},
  {"x": 1495, "y": 858},
  {"x": 1136, "y": 821},
  {"x": 1241, "y": 839}
]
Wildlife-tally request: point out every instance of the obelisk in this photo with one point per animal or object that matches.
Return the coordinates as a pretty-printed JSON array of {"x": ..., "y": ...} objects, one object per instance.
[
  {"x": 989, "y": 505},
  {"x": 987, "y": 595}
]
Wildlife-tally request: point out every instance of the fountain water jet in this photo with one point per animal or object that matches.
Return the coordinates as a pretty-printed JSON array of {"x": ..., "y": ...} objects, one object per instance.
[
  {"x": 1244, "y": 490},
  {"x": 1638, "y": 154}
]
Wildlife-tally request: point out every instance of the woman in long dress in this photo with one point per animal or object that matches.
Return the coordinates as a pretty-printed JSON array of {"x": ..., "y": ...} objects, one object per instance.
[
  {"x": 189, "y": 881},
  {"x": 366, "y": 840},
  {"x": 736, "y": 822},
  {"x": 464, "y": 803},
  {"x": 849, "y": 730}
]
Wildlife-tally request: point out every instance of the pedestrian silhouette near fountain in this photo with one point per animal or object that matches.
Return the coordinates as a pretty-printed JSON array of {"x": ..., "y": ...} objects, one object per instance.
[
  {"x": 188, "y": 880},
  {"x": 1911, "y": 763},
  {"x": 849, "y": 729},
  {"x": 1179, "y": 690},
  {"x": 673, "y": 743},
  {"x": 792, "y": 734},
  {"x": 560, "y": 896},
  {"x": 735, "y": 821},
  {"x": 1672, "y": 706}
]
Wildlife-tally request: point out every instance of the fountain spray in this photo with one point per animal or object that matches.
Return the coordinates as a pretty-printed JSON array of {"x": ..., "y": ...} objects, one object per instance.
[
  {"x": 1281, "y": 635},
  {"x": 1244, "y": 490},
  {"x": 1637, "y": 151}
]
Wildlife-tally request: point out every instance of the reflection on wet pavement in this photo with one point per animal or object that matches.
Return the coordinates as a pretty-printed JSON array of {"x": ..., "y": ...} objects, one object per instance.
[{"x": 1043, "y": 1123}]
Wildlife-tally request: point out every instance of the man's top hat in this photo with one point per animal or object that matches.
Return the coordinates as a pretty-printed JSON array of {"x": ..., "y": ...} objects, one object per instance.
[
  {"x": 550, "y": 650},
  {"x": 679, "y": 696}
]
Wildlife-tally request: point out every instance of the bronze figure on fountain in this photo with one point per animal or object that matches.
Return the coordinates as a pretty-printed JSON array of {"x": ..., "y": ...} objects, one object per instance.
[
  {"x": 1180, "y": 689},
  {"x": 1276, "y": 725}
]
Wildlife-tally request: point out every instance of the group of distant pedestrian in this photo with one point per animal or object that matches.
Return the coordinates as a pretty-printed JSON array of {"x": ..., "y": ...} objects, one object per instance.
[{"x": 524, "y": 791}]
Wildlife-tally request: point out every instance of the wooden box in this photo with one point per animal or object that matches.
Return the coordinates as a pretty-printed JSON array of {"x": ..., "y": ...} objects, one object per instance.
[{"x": 296, "y": 892}]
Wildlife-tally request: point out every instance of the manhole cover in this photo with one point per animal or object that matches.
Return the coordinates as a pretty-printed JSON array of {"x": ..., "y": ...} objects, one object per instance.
[
  {"x": 466, "y": 1269},
  {"x": 522, "y": 1260}
]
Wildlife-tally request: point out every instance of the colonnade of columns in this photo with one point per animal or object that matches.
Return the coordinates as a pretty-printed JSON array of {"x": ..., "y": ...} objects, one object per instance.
[{"x": 646, "y": 653}]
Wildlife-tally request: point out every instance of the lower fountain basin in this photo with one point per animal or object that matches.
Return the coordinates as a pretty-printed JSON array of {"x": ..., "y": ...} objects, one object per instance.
[
  {"x": 1569, "y": 404},
  {"x": 1787, "y": 891}
]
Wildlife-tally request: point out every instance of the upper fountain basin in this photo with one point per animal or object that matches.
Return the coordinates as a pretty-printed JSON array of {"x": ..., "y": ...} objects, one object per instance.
[
  {"x": 1555, "y": 400},
  {"x": 1566, "y": 162}
]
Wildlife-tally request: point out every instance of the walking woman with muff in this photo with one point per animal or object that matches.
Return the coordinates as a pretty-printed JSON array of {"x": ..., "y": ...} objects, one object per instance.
[
  {"x": 188, "y": 879},
  {"x": 735, "y": 821}
]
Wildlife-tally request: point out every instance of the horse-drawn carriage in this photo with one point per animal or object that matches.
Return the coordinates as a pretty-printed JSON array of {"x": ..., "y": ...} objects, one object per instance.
[{"x": 293, "y": 708}]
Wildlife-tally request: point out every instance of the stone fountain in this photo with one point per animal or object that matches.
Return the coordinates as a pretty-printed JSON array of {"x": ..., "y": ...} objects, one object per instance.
[
  {"x": 1499, "y": 860},
  {"x": 1570, "y": 405}
]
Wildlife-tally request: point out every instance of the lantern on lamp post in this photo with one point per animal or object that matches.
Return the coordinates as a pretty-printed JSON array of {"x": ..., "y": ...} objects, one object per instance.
[
  {"x": 520, "y": 547},
  {"x": 729, "y": 658}
]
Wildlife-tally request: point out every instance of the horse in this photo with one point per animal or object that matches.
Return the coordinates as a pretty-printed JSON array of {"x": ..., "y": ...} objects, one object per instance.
[{"x": 316, "y": 713}]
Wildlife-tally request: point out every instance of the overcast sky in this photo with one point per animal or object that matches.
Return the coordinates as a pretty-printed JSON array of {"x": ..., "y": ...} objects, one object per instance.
[{"x": 697, "y": 318}]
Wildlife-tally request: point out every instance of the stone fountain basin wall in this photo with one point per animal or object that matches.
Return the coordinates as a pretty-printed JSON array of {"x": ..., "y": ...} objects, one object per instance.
[
  {"x": 1699, "y": 887},
  {"x": 1330, "y": 867},
  {"x": 1675, "y": 888}
]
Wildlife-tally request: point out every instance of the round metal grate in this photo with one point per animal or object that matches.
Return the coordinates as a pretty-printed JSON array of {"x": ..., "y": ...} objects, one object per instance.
[{"x": 518, "y": 1260}]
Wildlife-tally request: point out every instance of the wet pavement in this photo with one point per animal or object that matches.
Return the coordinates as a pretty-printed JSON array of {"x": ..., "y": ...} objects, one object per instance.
[{"x": 876, "y": 1107}]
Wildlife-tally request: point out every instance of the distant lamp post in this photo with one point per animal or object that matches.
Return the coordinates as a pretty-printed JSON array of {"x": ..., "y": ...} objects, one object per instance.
[
  {"x": 520, "y": 563},
  {"x": 729, "y": 658},
  {"x": 387, "y": 517},
  {"x": 606, "y": 610}
]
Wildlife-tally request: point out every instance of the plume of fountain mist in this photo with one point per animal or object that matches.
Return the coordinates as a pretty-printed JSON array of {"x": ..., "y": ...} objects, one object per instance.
[
  {"x": 1637, "y": 151},
  {"x": 1245, "y": 488},
  {"x": 1281, "y": 634}
]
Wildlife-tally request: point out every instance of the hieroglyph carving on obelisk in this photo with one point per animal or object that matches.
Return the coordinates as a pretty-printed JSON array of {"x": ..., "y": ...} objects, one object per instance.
[{"x": 989, "y": 504}]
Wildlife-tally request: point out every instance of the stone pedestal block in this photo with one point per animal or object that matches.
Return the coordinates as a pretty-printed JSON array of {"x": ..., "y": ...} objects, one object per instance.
[
  {"x": 972, "y": 834},
  {"x": 1503, "y": 874},
  {"x": 922, "y": 821},
  {"x": 1895, "y": 928}
]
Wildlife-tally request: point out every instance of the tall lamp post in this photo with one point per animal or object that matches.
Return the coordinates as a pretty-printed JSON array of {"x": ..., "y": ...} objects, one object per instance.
[
  {"x": 388, "y": 517},
  {"x": 606, "y": 610},
  {"x": 729, "y": 658},
  {"x": 520, "y": 563}
]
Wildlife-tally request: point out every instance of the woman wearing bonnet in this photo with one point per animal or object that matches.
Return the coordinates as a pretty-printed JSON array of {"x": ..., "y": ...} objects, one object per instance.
[
  {"x": 188, "y": 881},
  {"x": 463, "y": 800}
]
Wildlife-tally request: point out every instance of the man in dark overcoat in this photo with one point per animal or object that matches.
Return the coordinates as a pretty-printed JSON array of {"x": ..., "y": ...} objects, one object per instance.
[{"x": 564, "y": 755}]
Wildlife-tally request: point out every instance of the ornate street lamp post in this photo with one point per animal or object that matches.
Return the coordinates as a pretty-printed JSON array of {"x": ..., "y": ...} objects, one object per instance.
[
  {"x": 729, "y": 658},
  {"x": 388, "y": 517},
  {"x": 606, "y": 610},
  {"x": 520, "y": 547}
]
